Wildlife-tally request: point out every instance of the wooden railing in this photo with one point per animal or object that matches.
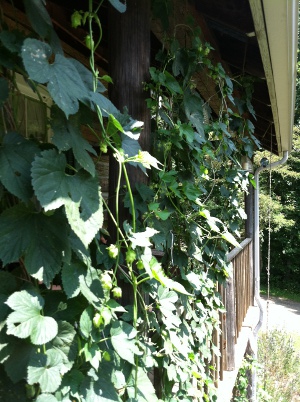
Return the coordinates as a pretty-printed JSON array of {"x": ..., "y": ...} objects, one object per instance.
[{"x": 237, "y": 295}]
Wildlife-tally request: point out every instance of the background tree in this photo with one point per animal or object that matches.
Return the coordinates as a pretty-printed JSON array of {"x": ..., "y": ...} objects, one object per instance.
[{"x": 284, "y": 208}]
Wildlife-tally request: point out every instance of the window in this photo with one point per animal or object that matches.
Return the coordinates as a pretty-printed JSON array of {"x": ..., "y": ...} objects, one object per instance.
[{"x": 26, "y": 112}]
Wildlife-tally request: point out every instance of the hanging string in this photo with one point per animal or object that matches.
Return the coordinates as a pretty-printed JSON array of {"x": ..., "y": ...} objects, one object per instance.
[{"x": 269, "y": 235}]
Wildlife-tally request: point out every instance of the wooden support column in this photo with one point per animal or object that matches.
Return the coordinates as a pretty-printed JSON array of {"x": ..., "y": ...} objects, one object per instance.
[
  {"x": 129, "y": 62},
  {"x": 230, "y": 324}
]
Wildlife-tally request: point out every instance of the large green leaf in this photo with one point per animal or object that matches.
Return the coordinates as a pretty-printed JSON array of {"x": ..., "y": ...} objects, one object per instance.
[
  {"x": 123, "y": 340},
  {"x": 71, "y": 382},
  {"x": 16, "y": 156},
  {"x": 66, "y": 345},
  {"x": 76, "y": 277},
  {"x": 145, "y": 389},
  {"x": 45, "y": 369},
  {"x": 68, "y": 136},
  {"x": 99, "y": 387},
  {"x": 87, "y": 77},
  {"x": 130, "y": 146},
  {"x": 41, "y": 22},
  {"x": 27, "y": 321},
  {"x": 42, "y": 240},
  {"x": 80, "y": 193},
  {"x": 106, "y": 106},
  {"x": 91, "y": 288},
  {"x": 71, "y": 274},
  {"x": 86, "y": 321},
  {"x": 17, "y": 363},
  {"x": 86, "y": 215},
  {"x": 63, "y": 80},
  {"x": 193, "y": 107}
]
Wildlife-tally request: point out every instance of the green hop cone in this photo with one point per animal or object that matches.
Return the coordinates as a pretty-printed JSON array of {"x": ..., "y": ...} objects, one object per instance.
[
  {"x": 76, "y": 19},
  {"x": 106, "y": 281},
  {"x": 117, "y": 292},
  {"x": 89, "y": 42},
  {"x": 130, "y": 256},
  {"x": 113, "y": 251},
  {"x": 140, "y": 264}
]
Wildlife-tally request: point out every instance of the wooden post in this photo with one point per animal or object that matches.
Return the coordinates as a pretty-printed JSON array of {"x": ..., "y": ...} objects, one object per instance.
[
  {"x": 129, "y": 62},
  {"x": 230, "y": 323}
]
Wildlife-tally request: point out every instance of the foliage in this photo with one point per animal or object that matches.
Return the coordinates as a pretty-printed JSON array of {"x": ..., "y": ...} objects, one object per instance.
[
  {"x": 283, "y": 208},
  {"x": 63, "y": 334},
  {"x": 242, "y": 388},
  {"x": 279, "y": 376}
]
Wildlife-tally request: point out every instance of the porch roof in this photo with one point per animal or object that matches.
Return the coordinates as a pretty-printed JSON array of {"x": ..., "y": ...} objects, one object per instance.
[
  {"x": 254, "y": 37},
  {"x": 260, "y": 38}
]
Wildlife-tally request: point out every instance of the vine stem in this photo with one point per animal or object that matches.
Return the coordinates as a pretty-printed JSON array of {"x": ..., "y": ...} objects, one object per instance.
[
  {"x": 130, "y": 197},
  {"x": 115, "y": 222},
  {"x": 135, "y": 316}
]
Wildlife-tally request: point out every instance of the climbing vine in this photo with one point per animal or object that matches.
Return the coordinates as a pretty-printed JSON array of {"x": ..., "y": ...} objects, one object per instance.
[{"x": 64, "y": 334}]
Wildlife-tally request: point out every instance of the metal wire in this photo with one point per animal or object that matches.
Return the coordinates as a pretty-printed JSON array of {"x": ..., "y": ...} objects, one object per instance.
[{"x": 269, "y": 239}]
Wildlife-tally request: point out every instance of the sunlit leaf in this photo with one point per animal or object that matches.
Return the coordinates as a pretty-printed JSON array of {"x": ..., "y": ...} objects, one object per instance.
[
  {"x": 99, "y": 387},
  {"x": 230, "y": 238},
  {"x": 45, "y": 370},
  {"x": 27, "y": 321},
  {"x": 142, "y": 238},
  {"x": 63, "y": 80},
  {"x": 145, "y": 388},
  {"x": 79, "y": 193},
  {"x": 123, "y": 340}
]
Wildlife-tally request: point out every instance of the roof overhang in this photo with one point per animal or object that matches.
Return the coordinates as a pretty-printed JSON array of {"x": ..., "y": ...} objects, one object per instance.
[{"x": 276, "y": 26}]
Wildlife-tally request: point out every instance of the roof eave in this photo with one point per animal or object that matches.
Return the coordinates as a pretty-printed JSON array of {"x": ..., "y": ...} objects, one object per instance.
[{"x": 276, "y": 26}]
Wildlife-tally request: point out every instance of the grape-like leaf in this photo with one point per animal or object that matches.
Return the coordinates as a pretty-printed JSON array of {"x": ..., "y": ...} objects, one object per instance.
[
  {"x": 16, "y": 155},
  {"x": 64, "y": 82},
  {"x": 123, "y": 340},
  {"x": 145, "y": 389},
  {"x": 45, "y": 369},
  {"x": 68, "y": 136},
  {"x": 27, "y": 321},
  {"x": 41, "y": 22},
  {"x": 36, "y": 237},
  {"x": 80, "y": 193}
]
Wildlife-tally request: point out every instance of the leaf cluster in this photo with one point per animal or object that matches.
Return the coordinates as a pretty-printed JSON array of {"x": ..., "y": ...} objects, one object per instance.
[{"x": 63, "y": 334}]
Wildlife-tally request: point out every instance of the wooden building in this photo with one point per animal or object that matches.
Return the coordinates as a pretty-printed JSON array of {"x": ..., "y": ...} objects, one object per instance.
[{"x": 256, "y": 37}]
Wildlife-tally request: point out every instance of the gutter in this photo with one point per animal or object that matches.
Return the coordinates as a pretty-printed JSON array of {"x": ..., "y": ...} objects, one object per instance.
[{"x": 257, "y": 261}]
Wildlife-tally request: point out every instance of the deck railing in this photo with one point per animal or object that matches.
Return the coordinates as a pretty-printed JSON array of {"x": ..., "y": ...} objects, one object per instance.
[{"x": 237, "y": 295}]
